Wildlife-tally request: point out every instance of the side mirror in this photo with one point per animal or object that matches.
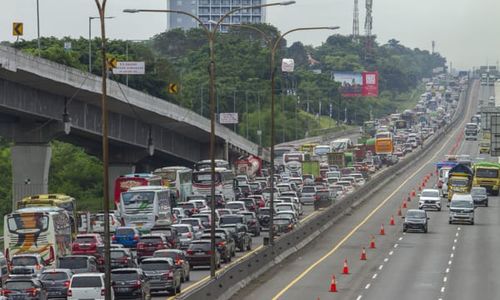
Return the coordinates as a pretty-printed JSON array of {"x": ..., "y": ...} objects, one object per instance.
[
  {"x": 428, "y": 218},
  {"x": 448, "y": 205}
]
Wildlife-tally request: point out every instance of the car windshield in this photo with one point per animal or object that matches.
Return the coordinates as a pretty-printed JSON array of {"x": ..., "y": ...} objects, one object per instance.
[
  {"x": 234, "y": 205},
  {"x": 192, "y": 222},
  {"x": 118, "y": 254},
  {"x": 281, "y": 221},
  {"x": 150, "y": 239},
  {"x": 308, "y": 189},
  {"x": 86, "y": 281},
  {"x": 182, "y": 229},
  {"x": 458, "y": 182},
  {"x": 231, "y": 220},
  {"x": 18, "y": 285},
  {"x": 53, "y": 276},
  {"x": 199, "y": 246},
  {"x": 138, "y": 201},
  {"x": 69, "y": 262},
  {"x": 170, "y": 254},
  {"x": 155, "y": 265},
  {"x": 124, "y": 275},
  {"x": 430, "y": 194},
  {"x": 85, "y": 240},
  {"x": 462, "y": 204},
  {"x": 415, "y": 214},
  {"x": 124, "y": 231},
  {"x": 24, "y": 261}
]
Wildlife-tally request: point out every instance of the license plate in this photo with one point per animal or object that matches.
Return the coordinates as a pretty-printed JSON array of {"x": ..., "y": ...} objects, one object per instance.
[
  {"x": 122, "y": 290},
  {"x": 199, "y": 253},
  {"x": 139, "y": 224}
]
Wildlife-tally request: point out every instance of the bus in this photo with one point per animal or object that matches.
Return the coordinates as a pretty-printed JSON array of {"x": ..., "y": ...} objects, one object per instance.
[
  {"x": 384, "y": 144},
  {"x": 206, "y": 164},
  {"x": 59, "y": 200},
  {"x": 224, "y": 182},
  {"x": 144, "y": 207},
  {"x": 178, "y": 179},
  {"x": 293, "y": 161},
  {"x": 42, "y": 230},
  {"x": 125, "y": 182}
]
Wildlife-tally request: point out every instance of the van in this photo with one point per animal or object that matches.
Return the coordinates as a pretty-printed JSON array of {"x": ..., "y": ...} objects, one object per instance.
[
  {"x": 462, "y": 209},
  {"x": 88, "y": 286},
  {"x": 78, "y": 263}
]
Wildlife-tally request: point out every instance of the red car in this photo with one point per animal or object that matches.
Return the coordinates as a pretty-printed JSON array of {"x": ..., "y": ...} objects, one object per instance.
[
  {"x": 261, "y": 201},
  {"x": 87, "y": 244},
  {"x": 149, "y": 243}
]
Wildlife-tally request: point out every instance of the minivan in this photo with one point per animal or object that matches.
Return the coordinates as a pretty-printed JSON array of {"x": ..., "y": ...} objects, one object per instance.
[
  {"x": 78, "y": 263},
  {"x": 462, "y": 209},
  {"x": 88, "y": 286}
]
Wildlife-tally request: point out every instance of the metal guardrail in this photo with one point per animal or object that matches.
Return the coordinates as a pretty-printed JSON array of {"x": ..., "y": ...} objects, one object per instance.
[{"x": 237, "y": 276}]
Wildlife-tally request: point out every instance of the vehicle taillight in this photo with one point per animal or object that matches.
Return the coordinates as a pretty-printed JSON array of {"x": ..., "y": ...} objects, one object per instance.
[
  {"x": 221, "y": 244},
  {"x": 5, "y": 292},
  {"x": 103, "y": 292},
  {"x": 209, "y": 252},
  {"x": 32, "y": 291},
  {"x": 38, "y": 266},
  {"x": 140, "y": 246},
  {"x": 70, "y": 293},
  {"x": 113, "y": 238},
  {"x": 136, "y": 237},
  {"x": 190, "y": 252},
  {"x": 316, "y": 198},
  {"x": 160, "y": 246},
  {"x": 137, "y": 284},
  {"x": 66, "y": 283},
  {"x": 189, "y": 235},
  {"x": 169, "y": 274}
]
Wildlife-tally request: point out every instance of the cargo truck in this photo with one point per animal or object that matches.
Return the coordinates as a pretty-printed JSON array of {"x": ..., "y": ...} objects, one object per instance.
[
  {"x": 459, "y": 180},
  {"x": 486, "y": 174}
]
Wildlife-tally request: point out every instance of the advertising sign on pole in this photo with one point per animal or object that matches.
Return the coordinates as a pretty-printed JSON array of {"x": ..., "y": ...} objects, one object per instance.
[
  {"x": 287, "y": 65},
  {"x": 129, "y": 68},
  {"x": 495, "y": 135},
  {"x": 228, "y": 118},
  {"x": 357, "y": 84}
]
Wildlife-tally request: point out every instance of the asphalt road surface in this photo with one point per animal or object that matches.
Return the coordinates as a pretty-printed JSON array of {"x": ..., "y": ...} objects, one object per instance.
[{"x": 449, "y": 262}]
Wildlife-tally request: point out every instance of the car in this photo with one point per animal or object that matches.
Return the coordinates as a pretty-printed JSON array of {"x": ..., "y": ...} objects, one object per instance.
[
  {"x": 86, "y": 244},
  {"x": 287, "y": 214},
  {"x": 27, "y": 263},
  {"x": 224, "y": 211},
  {"x": 97, "y": 223},
  {"x": 171, "y": 234},
  {"x": 250, "y": 204},
  {"x": 206, "y": 219},
  {"x": 240, "y": 235},
  {"x": 282, "y": 225},
  {"x": 264, "y": 217},
  {"x": 78, "y": 263},
  {"x": 56, "y": 282},
  {"x": 87, "y": 286},
  {"x": 416, "y": 219},
  {"x": 149, "y": 243},
  {"x": 228, "y": 236},
  {"x": 430, "y": 198},
  {"x": 461, "y": 209},
  {"x": 194, "y": 222},
  {"x": 199, "y": 254},
  {"x": 122, "y": 258},
  {"x": 180, "y": 261},
  {"x": 24, "y": 288},
  {"x": 236, "y": 205},
  {"x": 259, "y": 199},
  {"x": 189, "y": 208},
  {"x": 296, "y": 203},
  {"x": 130, "y": 283},
  {"x": 127, "y": 236},
  {"x": 179, "y": 213},
  {"x": 220, "y": 201},
  {"x": 221, "y": 245},
  {"x": 199, "y": 203},
  {"x": 186, "y": 234},
  {"x": 286, "y": 207},
  {"x": 479, "y": 195},
  {"x": 252, "y": 222},
  {"x": 162, "y": 274}
]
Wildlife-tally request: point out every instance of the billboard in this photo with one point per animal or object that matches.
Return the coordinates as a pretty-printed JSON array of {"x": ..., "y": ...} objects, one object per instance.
[
  {"x": 228, "y": 118},
  {"x": 356, "y": 84}
]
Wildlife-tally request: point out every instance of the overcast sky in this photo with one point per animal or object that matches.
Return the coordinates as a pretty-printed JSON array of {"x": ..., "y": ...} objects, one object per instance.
[{"x": 466, "y": 31}]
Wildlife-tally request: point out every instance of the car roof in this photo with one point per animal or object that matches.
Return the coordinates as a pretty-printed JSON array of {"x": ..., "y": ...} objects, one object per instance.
[
  {"x": 76, "y": 256},
  {"x": 88, "y": 275},
  {"x": 58, "y": 270},
  {"x": 169, "y": 250},
  {"x": 126, "y": 269},
  {"x": 157, "y": 259}
]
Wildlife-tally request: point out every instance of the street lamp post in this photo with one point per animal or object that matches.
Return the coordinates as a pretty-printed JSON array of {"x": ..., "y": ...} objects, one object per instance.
[
  {"x": 211, "y": 35},
  {"x": 90, "y": 40},
  {"x": 38, "y": 26}
]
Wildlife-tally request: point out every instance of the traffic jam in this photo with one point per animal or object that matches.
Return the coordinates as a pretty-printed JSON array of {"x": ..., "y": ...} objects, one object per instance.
[{"x": 161, "y": 225}]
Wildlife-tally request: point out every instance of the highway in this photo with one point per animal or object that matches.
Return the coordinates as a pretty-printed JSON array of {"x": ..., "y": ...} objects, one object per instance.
[{"x": 449, "y": 262}]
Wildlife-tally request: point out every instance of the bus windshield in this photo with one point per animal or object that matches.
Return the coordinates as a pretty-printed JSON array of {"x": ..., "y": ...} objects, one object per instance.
[
  {"x": 138, "y": 201},
  {"x": 205, "y": 178},
  {"x": 486, "y": 173},
  {"x": 28, "y": 223}
]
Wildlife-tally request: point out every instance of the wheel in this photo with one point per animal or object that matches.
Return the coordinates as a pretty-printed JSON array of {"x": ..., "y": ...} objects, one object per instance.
[
  {"x": 425, "y": 229},
  {"x": 188, "y": 277},
  {"x": 148, "y": 296},
  {"x": 249, "y": 246},
  {"x": 472, "y": 222},
  {"x": 486, "y": 204},
  {"x": 257, "y": 233},
  {"x": 439, "y": 209},
  {"x": 404, "y": 229},
  {"x": 449, "y": 222},
  {"x": 182, "y": 277},
  {"x": 178, "y": 290}
]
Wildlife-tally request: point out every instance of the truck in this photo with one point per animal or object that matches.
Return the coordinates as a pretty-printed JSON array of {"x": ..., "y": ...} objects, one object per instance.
[
  {"x": 311, "y": 167},
  {"x": 336, "y": 159},
  {"x": 471, "y": 131},
  {"x": 251, "y": 166},
  {"x": 486, "y": 174},
  {"x": 459, "y": 180},
  {"x": 383, "y": 143}
]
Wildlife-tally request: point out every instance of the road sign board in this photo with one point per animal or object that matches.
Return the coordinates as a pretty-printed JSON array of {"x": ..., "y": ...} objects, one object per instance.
[
  {"x": 129, "y": 68},
  {"x": 495, "y": 135},
  {"x": 17, "y": 29},
  {"x": 228, "y": 118},
  {"x": 112, "y": 62},
  {"x": 173, "y": 88},
  {"x": 486, "y": 113}
]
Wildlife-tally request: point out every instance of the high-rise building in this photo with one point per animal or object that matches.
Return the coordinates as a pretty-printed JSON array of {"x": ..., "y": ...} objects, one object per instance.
[{"x": 213, "y": 10}]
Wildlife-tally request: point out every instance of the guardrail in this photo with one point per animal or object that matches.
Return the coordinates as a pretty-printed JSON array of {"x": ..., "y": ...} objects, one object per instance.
[{"x": 239, "y": 275}]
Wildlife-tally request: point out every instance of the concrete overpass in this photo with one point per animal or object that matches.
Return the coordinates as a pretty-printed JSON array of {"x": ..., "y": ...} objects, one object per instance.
[{"x": 35, "y": 94}]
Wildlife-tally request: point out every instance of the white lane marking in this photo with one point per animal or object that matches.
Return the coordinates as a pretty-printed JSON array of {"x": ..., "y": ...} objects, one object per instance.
[
  {"x": 359, "y": 297},
  {"x": 380, "y": 267},
  {"x": 451, "y": 255},
  {"x": 447, "y": 270},
  {"x": 455, "y": 241},
  {"x": 442, "y": 289},
  {"x": 391, "y": 253},
  {"x": 400, "y": 238},
  {"x": 445, "y": 279},
  {"x": 453, "y": 248},
  {"x": 456, "y": 234},
  {"x": 395, "y": 245},
  {"x": 367, "y": 286},
  {"x": 449, "y": 262},
  {"x": 386, "y": 259},
  {"x": 404, "y": 233},
  {"x": 458, "y": 228},
  {"x": 374, "y": 276}
]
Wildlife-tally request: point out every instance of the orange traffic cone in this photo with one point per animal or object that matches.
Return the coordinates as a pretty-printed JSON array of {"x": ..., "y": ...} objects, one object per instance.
[
  {"x": 333, "y": 285},
  {"x": 372, "y": 243},
  {"x": 413, "y": 194},
  {"x": 391, "y": 221},
  {"x": 345, "y": 270},
  {"x": 399, "y": 212},
  {"x": 363, "y": 254},
  {"x": 382, "y": 230},
  {"x": 404, "y": 204}
]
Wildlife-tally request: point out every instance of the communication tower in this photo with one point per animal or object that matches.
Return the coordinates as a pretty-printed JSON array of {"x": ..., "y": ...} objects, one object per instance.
[{"x": 355, "y": 22}]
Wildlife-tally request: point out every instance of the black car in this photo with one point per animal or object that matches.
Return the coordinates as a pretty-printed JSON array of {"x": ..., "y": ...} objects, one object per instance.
[
  {"x": 264, "y": 217},
  {"x": 416, "y": 219},
  {"x": 199, "y": 253},
  {"x": 130, "y": 283},
  {"x": 56, "y": 282},
  {"x": 240, "y": 235},
  {"x": 122, "y": 258},
  {"x": 221, "y": 245},
  {"x": 162, "y": 274},
  {"x": 252, "y": 223},
  {"x": 229, "y": 240},
  {"x": 283, "y": 225},
  {"x": 24, "y": 288},
  {"x": 479, "y": 195}
]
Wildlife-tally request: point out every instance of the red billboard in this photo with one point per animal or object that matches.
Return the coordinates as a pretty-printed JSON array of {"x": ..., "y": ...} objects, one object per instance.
[
  {"x": 357, "y": 84},
  {"x": 370, "y": 84}
]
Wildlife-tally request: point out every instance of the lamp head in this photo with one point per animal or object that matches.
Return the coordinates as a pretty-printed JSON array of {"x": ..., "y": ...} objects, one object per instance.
[
  {"x": 287, "y": 2},
  {"x": 132, "y": 11}
]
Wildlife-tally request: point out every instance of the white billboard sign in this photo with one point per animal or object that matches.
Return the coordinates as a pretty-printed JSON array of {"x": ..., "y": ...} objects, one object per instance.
[
  {"x": 228, "y": 118},
  {"x": 129, "y": 68},
  {"x": 287, "y": 65}
]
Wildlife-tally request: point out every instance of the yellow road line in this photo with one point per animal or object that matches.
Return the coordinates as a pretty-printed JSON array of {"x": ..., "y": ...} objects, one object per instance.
[{"x": 356, "y": 228}]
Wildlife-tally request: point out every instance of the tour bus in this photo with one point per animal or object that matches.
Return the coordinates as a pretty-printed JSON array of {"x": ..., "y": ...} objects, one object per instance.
[
  {"x": 59, "y": 200},
  {"x": 293, "y": 161},
  {"x": 125, "y": 182},
  {"x": 146, "y": 206},
  {"x": 384, "y": 144},
  {"x": 178, "y": 179},
  {"x": 224, "y": 182},
  {"x": 42, "y": 230},
  {"x": 206, "y": 164}
]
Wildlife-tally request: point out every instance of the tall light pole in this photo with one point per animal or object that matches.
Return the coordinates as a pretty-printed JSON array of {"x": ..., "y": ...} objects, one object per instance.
[
  {"x": 211, "y": 35},
  {"x": 38, "y": 25},
  {"x": 90, "y": 40}
]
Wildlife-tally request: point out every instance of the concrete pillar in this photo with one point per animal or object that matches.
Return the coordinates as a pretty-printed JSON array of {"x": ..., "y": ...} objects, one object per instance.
[
  {"x": 30, "y": 170},
  {"x": 115, "y": 170}
]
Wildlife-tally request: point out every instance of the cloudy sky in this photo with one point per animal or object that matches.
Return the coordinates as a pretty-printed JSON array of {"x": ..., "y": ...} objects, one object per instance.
[{"x": 465, "y": 31}]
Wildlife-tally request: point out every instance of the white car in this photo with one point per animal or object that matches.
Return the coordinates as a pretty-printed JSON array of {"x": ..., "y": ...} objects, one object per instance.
[
  {"x": 283, "y": 206},
  {"x": 27, "y": 264},
  {"x": 88, "y": 286},
  {"x": 430, "y": 198},
  {"x": 98, "y": 223}
]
